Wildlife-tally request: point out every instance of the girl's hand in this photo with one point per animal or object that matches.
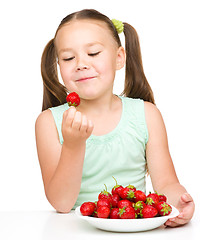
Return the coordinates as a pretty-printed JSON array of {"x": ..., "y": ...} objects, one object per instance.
[
  {"x": 186, "y": 209},
  {"x": 76, "y": 127}
]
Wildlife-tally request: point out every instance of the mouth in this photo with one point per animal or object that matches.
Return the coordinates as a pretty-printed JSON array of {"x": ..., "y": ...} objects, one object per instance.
[{"x": 84, "y": 79}]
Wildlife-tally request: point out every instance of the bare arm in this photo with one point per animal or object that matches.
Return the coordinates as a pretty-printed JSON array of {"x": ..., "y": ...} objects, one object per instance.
[
  {"x": 161, "y": 168},
  {"x": 61, "y": 165}
]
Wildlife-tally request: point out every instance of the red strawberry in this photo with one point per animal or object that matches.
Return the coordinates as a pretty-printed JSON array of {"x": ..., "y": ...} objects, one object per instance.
[
  {"x": 149, "y": 212},
  {"x": 152, "y": 199},
  {"x": 139, "y": 196},
  {"x": 114, "y": 200},
  {"x": 73, "y": 99},
  {"x": 124, "y": 203},
  {"x": 95, "y": 211},
  {"x": 117, "y": 188},
  {"x": 138, "y": 206},
  {"x": 103, "y": 202},
  {"x": 127, "y": 213},
  {"x": 164, "y": 208},
  {"x": 114, "y": 213},
  {"x": 87, "y": 208},
  {"x": 127, "y": 193},
  {"x": 103, "y": 212},
  {"x": 162, "y": 197},
  {"x": 105, "y": 194}
]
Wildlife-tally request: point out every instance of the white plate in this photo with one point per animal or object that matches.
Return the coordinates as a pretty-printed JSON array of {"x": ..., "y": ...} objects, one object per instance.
[{"x": 127, "y": 225}]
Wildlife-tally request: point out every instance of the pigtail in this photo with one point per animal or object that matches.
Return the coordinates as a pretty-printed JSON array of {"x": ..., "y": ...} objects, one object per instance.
[
  {"x": 136, "y": 84},
  {"x": 54, "y": 93}
]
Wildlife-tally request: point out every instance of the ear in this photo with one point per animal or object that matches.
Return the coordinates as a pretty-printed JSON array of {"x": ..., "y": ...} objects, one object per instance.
[{"x": 121, "y": 58}]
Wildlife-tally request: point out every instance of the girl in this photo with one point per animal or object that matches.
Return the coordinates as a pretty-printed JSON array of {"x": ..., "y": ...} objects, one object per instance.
[{"x": 106, "y": 135}]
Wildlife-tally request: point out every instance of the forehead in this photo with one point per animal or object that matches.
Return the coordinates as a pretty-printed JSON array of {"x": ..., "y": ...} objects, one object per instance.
[{"x": 82, "y": 32}]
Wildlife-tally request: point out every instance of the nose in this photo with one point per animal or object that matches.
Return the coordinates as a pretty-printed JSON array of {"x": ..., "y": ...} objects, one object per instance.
[{"x": 81, "y": 65}]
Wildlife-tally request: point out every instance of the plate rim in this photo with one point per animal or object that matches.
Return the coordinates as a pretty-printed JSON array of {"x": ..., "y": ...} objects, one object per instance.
[{"x": 175, "y": 212}]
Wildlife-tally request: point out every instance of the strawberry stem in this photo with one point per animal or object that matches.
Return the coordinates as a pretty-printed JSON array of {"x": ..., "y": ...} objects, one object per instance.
[{"x": 115, "y": 180}]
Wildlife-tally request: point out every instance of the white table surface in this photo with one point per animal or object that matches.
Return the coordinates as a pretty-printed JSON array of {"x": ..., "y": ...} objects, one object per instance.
[{"x": 49, "y": 225}]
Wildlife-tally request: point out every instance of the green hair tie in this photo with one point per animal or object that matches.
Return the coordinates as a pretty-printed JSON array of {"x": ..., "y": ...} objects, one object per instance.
[{"x": 118, "y": 25}]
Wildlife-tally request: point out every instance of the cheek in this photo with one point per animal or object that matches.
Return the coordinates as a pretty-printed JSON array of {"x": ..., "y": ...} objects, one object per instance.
[
  {"x": 105, "y": 66},
  {"x": 65, "y": 75},
  {"x": 107, "y": 69}
]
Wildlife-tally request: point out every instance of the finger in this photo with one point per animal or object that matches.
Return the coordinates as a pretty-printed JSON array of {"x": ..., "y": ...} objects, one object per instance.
[
  {"x": 84, "y": 124},
  {"x": 76, "y": 124},
  {"x": 90, "y": 127},
  {"x": 177, "y": 222},
  {"x": 186, "y": 198},
  {"x": 69, "y": 116}
]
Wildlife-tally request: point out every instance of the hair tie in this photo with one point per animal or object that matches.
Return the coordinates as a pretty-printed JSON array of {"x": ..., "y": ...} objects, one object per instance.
[{"x": 118, "y": 25}]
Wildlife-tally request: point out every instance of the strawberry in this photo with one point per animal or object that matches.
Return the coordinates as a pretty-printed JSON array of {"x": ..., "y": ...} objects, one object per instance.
[
  {"x": 127, "y": 213},
  {"x": 138, "y": 206},
  {"x": 104, "y": 194},
  {"x": 114, "y": 200},
  {"x": 128, "y": 192},
  {"x": 164, "y": 208},
  {"x": 117, "y": 188},
  {"x": 149, "y": 212},
  {"x": 114, "y": 213},
  {"x": 95, "y": 211},
  {"x": 124, "y": 203},
  {"x": 87, "y": 208},
  {"x": 162, "y": 197},
  {"x": 152, "y": 199},
  {"x": 73, "y": 99},
  {"x": 103, "y": 202},
  {"x": 103, "y": 212},
  {"x": 139, "y": 196}
]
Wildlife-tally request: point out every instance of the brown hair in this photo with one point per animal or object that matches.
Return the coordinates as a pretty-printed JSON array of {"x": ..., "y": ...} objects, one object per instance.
[{"x": 136, "y": 84}]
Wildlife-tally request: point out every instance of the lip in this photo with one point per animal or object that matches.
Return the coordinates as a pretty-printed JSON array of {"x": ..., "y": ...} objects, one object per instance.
[{"x": 84, "y": 79}]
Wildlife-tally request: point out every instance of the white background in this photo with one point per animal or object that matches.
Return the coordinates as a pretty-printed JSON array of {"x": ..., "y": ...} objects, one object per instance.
[{"x": 169, "y": 33}]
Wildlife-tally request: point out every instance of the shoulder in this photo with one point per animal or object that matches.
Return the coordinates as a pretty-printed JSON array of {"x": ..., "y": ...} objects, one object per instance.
[
  {"x": 46, "y": 133},
  {"x": 45, "y": 124},
  {"x": 154, "y": 120},
  {"x": 131, "y": 100},
  {"x": 152, "y": 113},
  {"x": 43, "y": 118}
]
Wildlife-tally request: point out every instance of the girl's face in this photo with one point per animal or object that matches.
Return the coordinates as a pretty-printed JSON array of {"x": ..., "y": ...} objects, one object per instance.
[{"x": 88, "y": 57}]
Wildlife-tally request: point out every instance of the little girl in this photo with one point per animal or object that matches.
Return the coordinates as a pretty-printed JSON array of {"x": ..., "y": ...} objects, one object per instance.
[{"x": 80, "y": 149}]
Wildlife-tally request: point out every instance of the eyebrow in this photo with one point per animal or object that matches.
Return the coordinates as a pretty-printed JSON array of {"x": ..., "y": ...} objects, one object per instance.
[{"x": 87, "y": 45}]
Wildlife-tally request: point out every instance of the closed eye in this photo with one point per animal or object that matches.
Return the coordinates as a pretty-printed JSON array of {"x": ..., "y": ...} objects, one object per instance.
[
  {"x": 93, "y": 54},
  {"x": 68, "y": 59}
]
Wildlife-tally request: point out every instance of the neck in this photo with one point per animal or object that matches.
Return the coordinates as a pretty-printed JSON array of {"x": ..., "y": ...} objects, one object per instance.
[{"x": 99, "y": 105}]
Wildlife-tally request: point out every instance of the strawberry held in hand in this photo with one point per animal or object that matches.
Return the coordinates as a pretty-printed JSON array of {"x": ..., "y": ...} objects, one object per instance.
[{"x": 73, "y": 99}]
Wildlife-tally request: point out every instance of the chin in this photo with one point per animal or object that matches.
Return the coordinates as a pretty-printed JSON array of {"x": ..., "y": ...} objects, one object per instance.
[{"x": 89, "y": 95}]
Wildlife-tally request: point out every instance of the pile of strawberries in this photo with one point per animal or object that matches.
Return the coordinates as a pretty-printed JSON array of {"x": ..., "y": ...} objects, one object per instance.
[{"x": 126, "y": 203}]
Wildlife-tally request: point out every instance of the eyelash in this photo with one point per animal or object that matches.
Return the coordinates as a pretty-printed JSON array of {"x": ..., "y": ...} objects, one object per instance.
[
  {"x": 94, "y": 54},
  {"x": 90, "y": 54},
  {"x": 68, "y": 59}
]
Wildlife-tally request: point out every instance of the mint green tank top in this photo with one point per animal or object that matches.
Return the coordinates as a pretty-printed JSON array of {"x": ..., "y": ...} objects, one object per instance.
[{"x": 120, "y": 153}]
